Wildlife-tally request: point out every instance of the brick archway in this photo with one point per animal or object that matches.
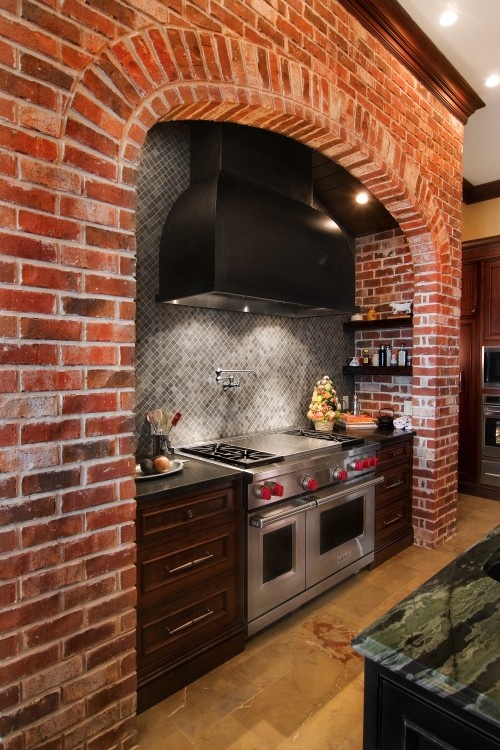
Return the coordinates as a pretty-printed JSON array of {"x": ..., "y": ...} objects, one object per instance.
[
  {"x": 155, "y": 75},
  {"x": 77, "y": 109}
]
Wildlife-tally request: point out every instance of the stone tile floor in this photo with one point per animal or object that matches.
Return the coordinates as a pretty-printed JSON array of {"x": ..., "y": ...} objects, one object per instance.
[{"x": 299, "y": 685}]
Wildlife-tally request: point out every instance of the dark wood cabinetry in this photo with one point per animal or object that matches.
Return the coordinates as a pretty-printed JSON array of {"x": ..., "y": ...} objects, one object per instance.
[
  {"x": 479, "y": 326},
  {"x": 393, "y": 499},
  {"x": 190, "y": 587},
  {"x": 468, "y": 423},
  {"x": 491, "y": 296},
  {"x": 470, "y": 285},
  {"x": 399, "y": 714}
]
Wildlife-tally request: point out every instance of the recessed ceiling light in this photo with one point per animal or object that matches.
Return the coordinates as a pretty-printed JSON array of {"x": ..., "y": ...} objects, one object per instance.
[
  {"x": 492, "y": 80},
  {"x": 362, "y": 198},
  {"x": 448, "y": 18}
]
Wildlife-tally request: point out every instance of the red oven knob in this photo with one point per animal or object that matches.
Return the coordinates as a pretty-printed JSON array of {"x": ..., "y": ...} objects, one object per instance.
[
  {"x": 276, "y": 489},
  {"x": 373, "y": 461},
  {"x": 357, "y": 465},
  {"x": 366, "y": 463},
  {"x": 340, "y": 475},
  {"x": 263, "y": 492},
  {"x": 308, "y": 483}
]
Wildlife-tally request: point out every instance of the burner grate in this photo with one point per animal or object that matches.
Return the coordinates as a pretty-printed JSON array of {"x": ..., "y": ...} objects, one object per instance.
[{"x": 232, "y": 454}]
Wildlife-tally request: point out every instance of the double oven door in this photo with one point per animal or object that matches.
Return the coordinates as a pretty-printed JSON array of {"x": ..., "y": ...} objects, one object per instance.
[
  {"x": 299, "y": 548},
  {"x": 490, "y": 447}
]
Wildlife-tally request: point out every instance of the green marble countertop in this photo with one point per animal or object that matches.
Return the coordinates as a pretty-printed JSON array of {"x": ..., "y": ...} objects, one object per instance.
[{"x": 445, "y": 636}]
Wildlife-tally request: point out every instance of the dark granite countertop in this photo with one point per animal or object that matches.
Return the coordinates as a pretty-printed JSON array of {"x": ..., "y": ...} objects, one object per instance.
[
  {"x": 384, "y": 437},
  {"x": 446, "y": 635},
  {"x": 194, "y": 475}
]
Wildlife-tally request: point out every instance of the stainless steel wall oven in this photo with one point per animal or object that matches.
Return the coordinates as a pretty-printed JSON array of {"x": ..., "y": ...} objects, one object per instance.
[
  {"x": 490, "y": 440},
  {"x": 491, "y": 367}
]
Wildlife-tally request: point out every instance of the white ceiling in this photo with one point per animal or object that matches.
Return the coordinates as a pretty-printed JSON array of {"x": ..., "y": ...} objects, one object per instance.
[{"x": 472, "y": 45}]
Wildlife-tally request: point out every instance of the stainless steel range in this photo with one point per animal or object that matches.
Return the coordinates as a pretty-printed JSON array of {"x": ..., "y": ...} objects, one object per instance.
[{"x": 310, "y": 514}]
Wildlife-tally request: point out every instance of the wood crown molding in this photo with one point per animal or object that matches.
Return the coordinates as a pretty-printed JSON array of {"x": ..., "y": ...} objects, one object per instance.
[
  {"x": 481, "y": 248},
  {"x": 478, "y": 193},
  {"x": 399, "y": 33}
]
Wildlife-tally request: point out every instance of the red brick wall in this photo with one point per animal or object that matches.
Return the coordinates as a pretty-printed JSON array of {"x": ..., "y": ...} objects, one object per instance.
[
  {"x": 384, "y": 274},
  {"x": 80, "y": 85}
]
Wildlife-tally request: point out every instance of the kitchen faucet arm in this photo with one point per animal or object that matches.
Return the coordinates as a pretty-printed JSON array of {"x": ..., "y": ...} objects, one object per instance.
[{"x": 228, "y": 382}]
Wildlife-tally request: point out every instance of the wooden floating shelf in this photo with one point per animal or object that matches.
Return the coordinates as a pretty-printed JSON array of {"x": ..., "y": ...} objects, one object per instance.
[
  {"x": 368, "y": 325},
  {"x": 370, "y": 370}
]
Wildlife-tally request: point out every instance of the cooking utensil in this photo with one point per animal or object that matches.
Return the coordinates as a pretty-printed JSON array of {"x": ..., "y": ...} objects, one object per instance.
[
  {"x": 165, "y": 421},
  {"x": 386, "y": 421},
  {"x": 152, "y": 421},
  {"x": 175, "y": 419}
]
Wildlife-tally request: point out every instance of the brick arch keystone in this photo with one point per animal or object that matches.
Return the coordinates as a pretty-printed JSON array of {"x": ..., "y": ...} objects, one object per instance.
[{"x": 161, "y": 74}]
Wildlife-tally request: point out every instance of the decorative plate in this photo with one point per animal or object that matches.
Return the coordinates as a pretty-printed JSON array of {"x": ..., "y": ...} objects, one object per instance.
[{"x": 399, "y": 423}]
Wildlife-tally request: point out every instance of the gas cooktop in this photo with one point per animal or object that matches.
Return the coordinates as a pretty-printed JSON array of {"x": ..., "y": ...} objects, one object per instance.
[
  {"x": 258, "y": 450},
  {"x": 232, "y": 454}
]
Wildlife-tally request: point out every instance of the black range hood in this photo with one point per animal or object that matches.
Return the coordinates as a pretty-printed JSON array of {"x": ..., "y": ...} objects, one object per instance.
[{"x": 245, "y": 236}]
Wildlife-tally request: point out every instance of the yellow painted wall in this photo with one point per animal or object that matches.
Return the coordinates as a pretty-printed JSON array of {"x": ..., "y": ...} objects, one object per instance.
[{"x": 481, "y": 220}]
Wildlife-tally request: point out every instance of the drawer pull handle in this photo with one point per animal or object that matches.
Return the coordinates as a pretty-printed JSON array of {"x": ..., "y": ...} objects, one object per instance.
[
  {"x": 396, "y": 518},
  {"x": 189, "y": 514},
  {"x": 188, "y": 624},
  {"x": 396, "y": 484},
  {"x": 198, "y": 561}
]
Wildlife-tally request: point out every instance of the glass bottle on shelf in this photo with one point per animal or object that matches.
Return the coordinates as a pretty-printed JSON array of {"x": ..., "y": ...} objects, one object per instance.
[{"x": 355, "y": 405}]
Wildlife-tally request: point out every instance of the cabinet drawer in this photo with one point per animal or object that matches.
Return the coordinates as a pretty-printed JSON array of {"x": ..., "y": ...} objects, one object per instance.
[
  {"x": 168, "y": 567},
  {"x": 397, "y": 482},
  {"x": 393, "y": 519},
  {"x": 176, "y": 624},
  {"x": 178, "y": 516},
  {"x": 393, "y": 454}
]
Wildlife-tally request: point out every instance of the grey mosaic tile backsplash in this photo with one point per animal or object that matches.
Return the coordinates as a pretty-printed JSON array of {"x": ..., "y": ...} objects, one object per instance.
[{"x": 179, "y": 348}]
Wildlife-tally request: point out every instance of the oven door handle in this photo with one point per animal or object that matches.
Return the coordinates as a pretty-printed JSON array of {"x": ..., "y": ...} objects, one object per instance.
[
  {"x": 261, "y": 521},
  {"x": 347, "y": 491},
  {"x": 491, "y": 411}
]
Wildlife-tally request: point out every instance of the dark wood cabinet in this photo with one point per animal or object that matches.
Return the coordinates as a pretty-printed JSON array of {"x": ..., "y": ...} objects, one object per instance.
[
  {"x": 190, "y": 587},
  {"x": 393, "y": 499},
  {"x": 491, "y": 310},
  {"x": 479, "y": 326},
  {"x": 470, "y": 285},
  {"x": 400, "y": 714},
  {"x": 468, "y": 421}
]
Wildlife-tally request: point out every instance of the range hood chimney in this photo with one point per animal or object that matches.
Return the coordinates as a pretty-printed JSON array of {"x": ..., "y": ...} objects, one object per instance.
[{"x": 245, "y": 236}]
